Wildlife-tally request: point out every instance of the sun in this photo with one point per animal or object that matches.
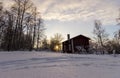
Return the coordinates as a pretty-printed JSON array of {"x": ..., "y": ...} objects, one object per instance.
[{"x": 56, "y": 48}]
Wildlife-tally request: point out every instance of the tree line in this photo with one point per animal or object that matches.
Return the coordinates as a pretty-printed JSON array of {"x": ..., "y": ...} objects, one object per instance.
[
  {"x": 21, "y": 27},
  {"x": 102, "y": 43}
]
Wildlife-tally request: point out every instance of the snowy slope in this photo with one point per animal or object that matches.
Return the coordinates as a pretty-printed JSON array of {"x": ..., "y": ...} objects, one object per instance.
[{"x": 58, "y": 65}]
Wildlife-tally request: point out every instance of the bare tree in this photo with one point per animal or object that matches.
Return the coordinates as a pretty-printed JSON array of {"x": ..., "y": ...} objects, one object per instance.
[
  {"x": 22, "y": 25},
  {"x": 45, "y": 44},
  {"x": 40, "y": 32},
  {"x": 116, "y": 39},
  {"x": 19, "y": 9},
  {"x": 117, "y": 34},
  {"x": 100, "y": 34},
  {"x": 118, "y": 19},
  {"x": 55, "y": 42},
  {"x": 1, "y": 21}
]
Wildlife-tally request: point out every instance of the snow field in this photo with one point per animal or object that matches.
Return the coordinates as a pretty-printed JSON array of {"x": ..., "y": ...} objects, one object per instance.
[{"x": 57, "y": 65}]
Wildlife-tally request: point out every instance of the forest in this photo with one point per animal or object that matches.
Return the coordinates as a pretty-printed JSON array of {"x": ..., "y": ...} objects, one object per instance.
[{"x": 21, "y": 26}]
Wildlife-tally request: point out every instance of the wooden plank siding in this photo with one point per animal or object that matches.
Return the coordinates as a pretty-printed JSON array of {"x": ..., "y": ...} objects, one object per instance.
[{"x": 76, "y": 44}]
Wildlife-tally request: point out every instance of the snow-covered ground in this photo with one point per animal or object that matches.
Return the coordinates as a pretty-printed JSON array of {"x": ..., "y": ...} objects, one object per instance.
[{"x": 58, "y": 65}]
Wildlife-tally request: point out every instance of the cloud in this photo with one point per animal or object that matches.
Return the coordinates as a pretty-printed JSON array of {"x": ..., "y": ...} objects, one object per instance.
[
  {"x": 67, "y": 10},
  {"x": 85, "y": 10},
  {"x": 7, "y": 3}
]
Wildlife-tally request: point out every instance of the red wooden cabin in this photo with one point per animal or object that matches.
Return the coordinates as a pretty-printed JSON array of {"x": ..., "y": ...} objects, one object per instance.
[{"x": 78, "y": 44}]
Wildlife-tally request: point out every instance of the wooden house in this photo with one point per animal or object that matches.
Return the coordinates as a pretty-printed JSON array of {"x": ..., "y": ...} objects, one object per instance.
[{"x": 78, "y": 44}]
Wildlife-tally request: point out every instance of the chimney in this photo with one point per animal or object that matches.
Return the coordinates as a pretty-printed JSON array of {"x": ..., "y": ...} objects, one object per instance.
[
  {"x": 68, "y": 36},
  {"x": 69, "y": 43}
]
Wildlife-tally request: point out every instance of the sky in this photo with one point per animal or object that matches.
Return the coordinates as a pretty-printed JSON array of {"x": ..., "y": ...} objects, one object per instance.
[{"x": 76, "y": 17}]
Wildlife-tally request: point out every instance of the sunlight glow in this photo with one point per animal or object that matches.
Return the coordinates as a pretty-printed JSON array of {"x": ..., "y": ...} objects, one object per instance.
[{"x": 56, "y": 48}]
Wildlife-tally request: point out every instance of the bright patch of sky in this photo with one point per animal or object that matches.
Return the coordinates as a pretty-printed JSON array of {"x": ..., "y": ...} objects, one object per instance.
[{"x": 77, "y": 17}]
